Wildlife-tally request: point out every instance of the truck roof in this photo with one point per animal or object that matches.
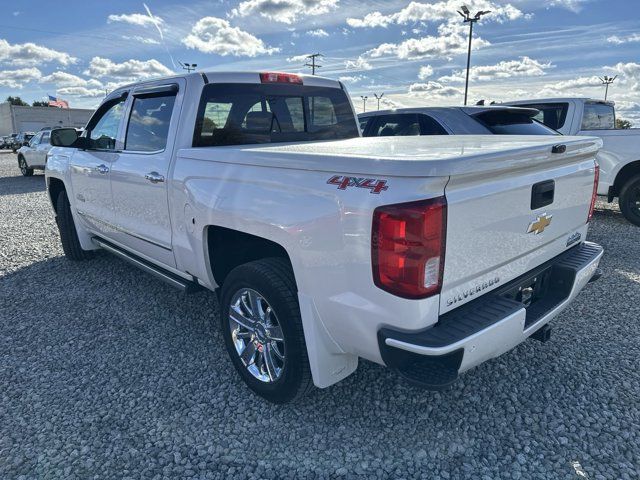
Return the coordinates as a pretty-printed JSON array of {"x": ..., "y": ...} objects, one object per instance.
[
  {"x": 469, "y": 110},
  {"x": 559, "y": 100},
  {"x": 214, "y": 76}
]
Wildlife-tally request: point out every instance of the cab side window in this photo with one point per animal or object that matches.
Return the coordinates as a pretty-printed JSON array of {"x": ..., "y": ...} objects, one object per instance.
[
  {"x": 148, "y": 127},
  {"x": 45, "y": 138},
  {"x": 35, "y": 140},
  {"x": 102, "y": 135}
]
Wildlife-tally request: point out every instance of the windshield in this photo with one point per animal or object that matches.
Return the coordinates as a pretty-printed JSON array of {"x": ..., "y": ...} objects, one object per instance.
[
  {"x": 512, "y": 122},
  {"x": 232, "y": 114}
]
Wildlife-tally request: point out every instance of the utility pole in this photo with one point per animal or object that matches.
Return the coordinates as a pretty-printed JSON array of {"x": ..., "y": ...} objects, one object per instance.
[
  {"x": 606, "y": 81},
  {"x": 466, "y": 14},
  {"x": 313, "y": 63},
  {"x": 364, "y": 103},
  {"x": 189, "y": 67},
  {"x": 378, "y": 98}
]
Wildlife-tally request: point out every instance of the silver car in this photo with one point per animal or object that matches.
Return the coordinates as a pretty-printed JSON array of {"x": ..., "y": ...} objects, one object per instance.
[{"x": 33, "y": 156}]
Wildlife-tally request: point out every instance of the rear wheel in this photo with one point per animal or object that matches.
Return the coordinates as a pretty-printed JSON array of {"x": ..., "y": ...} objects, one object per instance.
[
  {"x": 68, "y": 233},
  {"x": 262, "y": 329},
  {"x": 629, "y": 200},
  {"x": 24, "y": 169}
]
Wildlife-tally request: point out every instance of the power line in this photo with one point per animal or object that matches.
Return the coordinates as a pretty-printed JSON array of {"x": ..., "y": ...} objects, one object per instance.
[{"x": 313, "y": 63}]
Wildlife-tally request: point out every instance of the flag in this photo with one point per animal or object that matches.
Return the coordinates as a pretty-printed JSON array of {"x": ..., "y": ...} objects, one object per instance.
[{"x": 58, "y": 102}]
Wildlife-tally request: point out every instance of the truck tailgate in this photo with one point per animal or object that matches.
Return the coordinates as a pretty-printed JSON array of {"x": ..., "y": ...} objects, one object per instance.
[{"x": 502, "y": 224}]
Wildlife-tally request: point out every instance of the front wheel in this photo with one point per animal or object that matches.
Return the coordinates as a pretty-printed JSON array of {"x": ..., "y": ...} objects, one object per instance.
[
  {"x": 24, "y": 168},
  {"x": 68, "y": 233},
  {"x": 262, "y": 329},
  {"x": 629, "y": 200}
]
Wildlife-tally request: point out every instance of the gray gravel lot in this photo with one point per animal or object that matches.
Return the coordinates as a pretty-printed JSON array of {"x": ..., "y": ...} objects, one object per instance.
[{"x": 107, "y": 373}]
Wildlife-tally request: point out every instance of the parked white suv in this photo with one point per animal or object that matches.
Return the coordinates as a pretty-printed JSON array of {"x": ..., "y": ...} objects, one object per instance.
[
  {"x": 428, "y": 255},
  {"x": 34, "y": 154},
  {"x": 619, "y": 158}
]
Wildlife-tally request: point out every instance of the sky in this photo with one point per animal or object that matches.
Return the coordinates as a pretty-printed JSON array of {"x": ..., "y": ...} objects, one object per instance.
[{"x": 413, "y": 52}]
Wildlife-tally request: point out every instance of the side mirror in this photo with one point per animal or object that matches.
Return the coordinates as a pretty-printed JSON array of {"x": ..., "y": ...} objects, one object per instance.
[{"x": 65, "y": 137}]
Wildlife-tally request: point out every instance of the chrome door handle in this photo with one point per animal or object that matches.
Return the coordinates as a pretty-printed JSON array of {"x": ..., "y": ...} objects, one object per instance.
[
  {"x": 102, "y": 169},
  {"x": 154, "y": 177}
]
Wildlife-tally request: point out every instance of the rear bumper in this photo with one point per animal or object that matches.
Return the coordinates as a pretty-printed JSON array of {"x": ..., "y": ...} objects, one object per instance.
[{"x": 490, "y": 325}]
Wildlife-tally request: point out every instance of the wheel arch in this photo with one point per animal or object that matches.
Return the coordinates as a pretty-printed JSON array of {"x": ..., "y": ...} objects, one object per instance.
[
  {"x": 54, "y": 187},
  {"x": 629, "y": 170}
]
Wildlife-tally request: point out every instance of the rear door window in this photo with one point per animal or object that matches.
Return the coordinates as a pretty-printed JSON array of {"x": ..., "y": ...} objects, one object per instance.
[
  {"x": 232, "y": 114},
  {"x": 553, "y": 115},
  {"x": 149, "y": 121},
  {"x": 598, "y": 116},
  {"x": 401, "y": 124},
  {"x": 506, "y": 122}
]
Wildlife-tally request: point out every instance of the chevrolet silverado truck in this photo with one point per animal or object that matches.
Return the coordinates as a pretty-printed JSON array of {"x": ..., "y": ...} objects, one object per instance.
[
  {"x": 619, "y": 159},
  {"x": 428, "y": 255}
]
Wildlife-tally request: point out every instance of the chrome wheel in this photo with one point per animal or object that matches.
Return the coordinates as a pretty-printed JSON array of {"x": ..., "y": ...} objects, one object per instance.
[{"x": 257, "y": 335}]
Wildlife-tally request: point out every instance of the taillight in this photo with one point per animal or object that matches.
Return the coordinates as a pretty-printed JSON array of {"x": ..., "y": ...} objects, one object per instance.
[
  {"x": 276, "y": 77},
  {"x": 407, "y": 247},
  {"x": 594, "y": 195}
]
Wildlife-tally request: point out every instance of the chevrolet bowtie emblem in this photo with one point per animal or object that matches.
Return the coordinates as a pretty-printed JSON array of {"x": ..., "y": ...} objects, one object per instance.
[{"x": 542, "y": 222}]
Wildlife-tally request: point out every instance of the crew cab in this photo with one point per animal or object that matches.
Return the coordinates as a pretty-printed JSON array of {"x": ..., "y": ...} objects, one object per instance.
[
  {"x": 475, "y": 120},
  {"x": 428, "y": 255},
  {"x": 619, "y": 158},
  {"x": 33, "y": 155}
]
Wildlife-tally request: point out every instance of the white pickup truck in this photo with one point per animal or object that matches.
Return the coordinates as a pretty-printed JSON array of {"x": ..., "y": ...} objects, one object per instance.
[
  {"x": 619, "y": 158},
  {"x": 426, "y": 254}
]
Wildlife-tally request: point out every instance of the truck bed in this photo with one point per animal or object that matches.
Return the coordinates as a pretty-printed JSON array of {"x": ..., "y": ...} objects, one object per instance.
[{"x": 419, "y": 156}]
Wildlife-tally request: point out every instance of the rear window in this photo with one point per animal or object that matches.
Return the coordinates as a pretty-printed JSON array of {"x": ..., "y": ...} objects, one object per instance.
[
  {"x": 232, "y": 114},
  {"x": 504, "y": 122},
  {"x": 598, "y": 116},
  {"x": 553, "y": 115}
]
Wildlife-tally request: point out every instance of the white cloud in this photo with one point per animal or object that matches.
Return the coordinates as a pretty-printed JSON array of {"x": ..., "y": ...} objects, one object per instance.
[
  {"x": 524, "y": 67},
  {"x": 358, "y": 64},
  {"x": 64, "y": 79},
  {"x": 129, "y": 70},
  {"x": 318, "y": 33},
  {"x": 298, "y": 58},
  {"x": 425, "y": 72},
  {"x": 215, "y": 35},
  {"x": 573, "y": 5},
  {"x": 139, "y": 19},
  {"x": 615, "y": 39},
  {"x": 284, "y": 11},
  {"x": 30, "y": 54},
  {"x": 81, "y": 92},
  {"x": 434, "y": 89},
  {"x": 451, "y": 40},
  {"x": 351, "y": 78},
  {"x": 140, "y": 39},
  {"x": 18, "y": 78},
  {"x": 629, "y": 73},
  {"x": 442, "y": 10},
  {"x": 580, "y": 82}
]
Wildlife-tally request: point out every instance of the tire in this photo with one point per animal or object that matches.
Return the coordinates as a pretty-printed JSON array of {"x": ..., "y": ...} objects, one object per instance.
[
  {"x": 24, "y": 169},
  {"x": 272, "y": 281},
  {"x": 629, "y": 200},
  {"x": 68, "y": 234}
]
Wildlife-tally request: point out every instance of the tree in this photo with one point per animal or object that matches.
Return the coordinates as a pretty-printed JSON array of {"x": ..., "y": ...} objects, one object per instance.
[
  {"x": 17, "y": 101},
  {"x": 622, "y": 124},
  {"x": 38, "y": 103}
]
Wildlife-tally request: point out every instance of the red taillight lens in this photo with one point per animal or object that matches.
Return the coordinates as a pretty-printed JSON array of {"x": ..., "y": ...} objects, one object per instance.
[
  {"x": 276, "y": 77},
  {"x": 594, "y": 195},
  {"x": 407, "y": 247}
]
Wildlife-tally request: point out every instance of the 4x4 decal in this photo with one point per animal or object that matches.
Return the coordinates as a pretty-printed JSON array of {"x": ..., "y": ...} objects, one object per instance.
[{"x": 375, "y": 185}]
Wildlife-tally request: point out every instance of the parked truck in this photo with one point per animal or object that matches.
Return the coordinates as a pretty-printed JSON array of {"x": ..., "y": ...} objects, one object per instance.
[
  {"x": 427, "y": 255},
  {"x": 619, "y": 158}
]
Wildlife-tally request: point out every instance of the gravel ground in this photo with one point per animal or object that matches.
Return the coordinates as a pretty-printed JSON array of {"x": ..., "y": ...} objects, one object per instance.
[{"x": 107, "y": 373}]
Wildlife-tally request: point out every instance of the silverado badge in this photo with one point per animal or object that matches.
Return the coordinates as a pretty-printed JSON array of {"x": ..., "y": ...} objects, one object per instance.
[{"x": 538, "y": 225}]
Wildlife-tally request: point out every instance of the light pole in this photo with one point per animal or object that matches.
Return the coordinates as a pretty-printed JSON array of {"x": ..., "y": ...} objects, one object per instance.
[
  {"x": 466, "y": 14},
  {"x": 189, "y": 67},
  {"x": 378, "y": 98},
  {"x": 606, "y": 81},
  {"x": 364, "y": 103}
]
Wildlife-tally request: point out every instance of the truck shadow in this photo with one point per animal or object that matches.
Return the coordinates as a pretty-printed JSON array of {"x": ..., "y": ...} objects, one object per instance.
[{"x": 18, "y": 184}]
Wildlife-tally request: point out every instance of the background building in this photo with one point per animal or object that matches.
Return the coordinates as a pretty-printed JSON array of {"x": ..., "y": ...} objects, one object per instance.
[{"x": 16, "y": 119}]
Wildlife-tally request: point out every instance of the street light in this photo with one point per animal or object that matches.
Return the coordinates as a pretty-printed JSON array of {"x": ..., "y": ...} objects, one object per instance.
[
  {"x": 189, "y": 67},
  {"x": 364, "y": 103},
  {"x": 378, "y": 97},
  {"x": 606, "y": 81},
  {"x": 466, "y": 14}
]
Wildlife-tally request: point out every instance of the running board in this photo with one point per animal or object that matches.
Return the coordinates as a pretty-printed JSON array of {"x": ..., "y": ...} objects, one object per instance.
[{"x": 172, "y": 279}]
